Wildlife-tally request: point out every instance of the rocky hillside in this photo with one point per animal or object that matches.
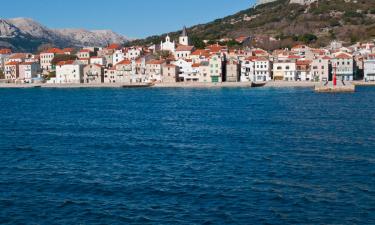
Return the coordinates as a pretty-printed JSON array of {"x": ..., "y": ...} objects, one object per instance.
[
  {"x": 316, "y": 24},
  {"x": 24, "y": 34}
]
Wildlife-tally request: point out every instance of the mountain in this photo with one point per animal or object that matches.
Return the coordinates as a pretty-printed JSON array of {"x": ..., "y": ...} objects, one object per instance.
[
  {"x": 278, "y": 24},
  {"x": 25, "y": 34}
]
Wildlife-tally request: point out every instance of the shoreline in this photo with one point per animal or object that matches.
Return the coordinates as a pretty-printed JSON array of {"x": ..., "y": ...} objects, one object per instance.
[{"x": 272, "y": 84}]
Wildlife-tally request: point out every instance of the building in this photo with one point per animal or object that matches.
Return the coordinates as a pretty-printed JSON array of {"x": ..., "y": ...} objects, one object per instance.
[
  {"x": 4, "y": 54},
  {"x": 369, "y": 68},
  {"x": 343, "y": 65},
  {"x": 28, "y": 71},
  {"x": 216, "y": 69},
  {"x": 304, "y": 70},
  {"x": 183, "y": 51},
  {"x": 184, "y": 38},
  {"x": 285, "y": 70},
  {"x": 255, "y": 69},
  {"x": 46, "y": 58},
  {"x": 11, "y": 70},
  {"x": 204, "y": 72},
  {"x": 154, "y": 70},
  {"x": 170, "y": 73},
  {"x": 69, "y": 72},
  {"x": 168, "y": 45},
  {"x": 100, "y": 60},
  {"x": 93, "y": 74},
  {"x": 320, "y": 68},
  {"x": 232, "y": 70},
  {"x": 302, "y": 2}
]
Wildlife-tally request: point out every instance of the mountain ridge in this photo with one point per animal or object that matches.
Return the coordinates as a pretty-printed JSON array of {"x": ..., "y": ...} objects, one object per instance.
[
  {"x": 25, "y": 34},
  {"x": 317, "y": 24}
]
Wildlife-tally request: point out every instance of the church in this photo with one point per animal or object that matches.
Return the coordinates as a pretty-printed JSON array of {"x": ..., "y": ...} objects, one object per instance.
[{"x": 169, "y": 45}]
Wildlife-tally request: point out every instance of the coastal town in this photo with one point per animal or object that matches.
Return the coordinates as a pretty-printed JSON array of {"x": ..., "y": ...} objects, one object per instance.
[{"x": 177, "y": 61}]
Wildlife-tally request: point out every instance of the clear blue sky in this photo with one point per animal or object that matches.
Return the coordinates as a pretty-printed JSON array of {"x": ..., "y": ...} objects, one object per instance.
[{"x": 133, "y": 18}]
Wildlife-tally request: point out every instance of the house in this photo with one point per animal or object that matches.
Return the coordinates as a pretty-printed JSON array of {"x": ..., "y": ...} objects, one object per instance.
[
  {"x": 11, "y": 70},
  {"x": 133, "y": 53},
  {"x": 69, "y": 72},
  {"x": 255, "y": 69},
  {"x": 124, "y": 70},
  {"x": 118, "y": 56},
  {"x": 216, "y": 72},
  {"x": 4, "y": 54},
  {"x": 343, "y": 65},
  {"x": 304, "y": 70},
  {"x": 320, "y": 68},
  {"x": 154, "y": 70},
  {"x": 232, "y": 70},
  {"x": 100, "y": 60},
  {"x": 204, "y": 72},
  {"x": 46, "y": 58},
  {"x": 285, "y": 70},
  {"x": 84, "y": 54},
  {"x": 93, "y": 74},
  {"x": 170, "y": 73},
  {"x": 185, "y": 67},
  {"x": 28, "y": 71},
  {"x": 369, "y": 68},
  {"x": 183, "y": 51},
  {"x": 110, "y": 76}
]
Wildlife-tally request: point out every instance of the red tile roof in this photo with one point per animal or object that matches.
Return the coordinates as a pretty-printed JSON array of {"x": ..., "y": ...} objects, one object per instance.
[
  {"x": 343, "y": 56},
  {"x": 12, "y": 63},
  {"x": 69, "y": 62},
  {"x": 54, "y": 51},
  {"x": 124, "y": 62},
  {"x": 181, "y": 48},
  {"x": 5, "y": 51}
]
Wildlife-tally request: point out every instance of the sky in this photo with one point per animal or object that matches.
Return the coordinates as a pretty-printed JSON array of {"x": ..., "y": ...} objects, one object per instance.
[{"x": 132, "y": 18}]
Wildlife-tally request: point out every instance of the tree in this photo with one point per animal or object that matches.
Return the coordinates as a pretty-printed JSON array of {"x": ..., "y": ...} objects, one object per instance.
[
  {"x": 233, "y": 43},
  {"x": 163, "y": 54},
  {"x": 198, "y": 43},
  {"x": 60, "y": 58}
]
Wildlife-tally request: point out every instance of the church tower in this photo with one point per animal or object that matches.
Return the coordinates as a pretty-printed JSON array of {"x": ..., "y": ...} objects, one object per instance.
[{"x": 184, "y": 39}]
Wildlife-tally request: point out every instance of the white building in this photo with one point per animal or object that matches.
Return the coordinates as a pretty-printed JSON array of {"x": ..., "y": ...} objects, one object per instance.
[
  {"x": 47, "y": 57},
  {"x": 185, "y": 69},
  {"x": 183, "y": 51},
  {"x": 69, "y": 72},
  {"x": 343, "y": 65},
  {"x": 133, "y": 53},
  {"x": 98, "y": 60},
  {"x": 369, "y": 68},
  {"x": 285, "y": 70},
  {"x": 28, "y": 71},
  {"x": 255, "y": 69},
  {"x": 118, "y": 56},
  {"x": 184, "y": 38},
  {"x": 168, "y": 45}
]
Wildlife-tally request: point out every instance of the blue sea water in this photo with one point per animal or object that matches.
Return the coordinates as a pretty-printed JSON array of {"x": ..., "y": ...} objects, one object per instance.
[{"x": 186, "y": 156}]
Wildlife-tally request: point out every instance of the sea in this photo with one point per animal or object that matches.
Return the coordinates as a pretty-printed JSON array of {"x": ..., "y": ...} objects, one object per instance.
[{"x": 187, "y": 156}]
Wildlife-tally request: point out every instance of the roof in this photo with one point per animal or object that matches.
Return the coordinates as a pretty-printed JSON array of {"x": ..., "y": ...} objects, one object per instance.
[
  {"x": 5, "y": 51},
  {"x": 343, "y": 56},
  {"x": 114, "y": 46},
  {"x": 184, "y": 32},
  {"x": 68, "y": 50},
  {"x": 155, "y": 62},
  {"x": 53, "y": 51},
  {"x": 196, "y": 65},
  {"x": 85, "y": 50},
  {"x": 18, "y": 56},
  {"x": 124, "y": 62},
  {"x": 303, "y": 62},
  {"x": 62, "y": 63},
  {"x": 27, "y": 63},
  {"x": 184, "y": 48},
  {"x": 12, "y": 63}
]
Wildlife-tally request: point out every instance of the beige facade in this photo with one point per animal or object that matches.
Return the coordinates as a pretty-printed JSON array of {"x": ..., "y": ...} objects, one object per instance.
[
  {"x": 170, "y": 73},
  {"x": 93, "y": 74},
  {"x": 232, "y": 71}
]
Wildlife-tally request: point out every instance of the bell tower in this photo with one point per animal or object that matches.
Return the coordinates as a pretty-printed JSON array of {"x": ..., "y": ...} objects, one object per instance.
[{"x": 184, "y": 39}]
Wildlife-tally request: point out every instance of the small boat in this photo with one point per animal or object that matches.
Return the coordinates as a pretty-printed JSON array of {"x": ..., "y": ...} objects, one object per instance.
[
  {"x": 258, "y": 84},
  {"x": 142, "y": 85}
]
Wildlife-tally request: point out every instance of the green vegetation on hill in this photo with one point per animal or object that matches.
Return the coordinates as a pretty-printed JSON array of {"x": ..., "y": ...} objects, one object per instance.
[{"x": 317, "y": 24}]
